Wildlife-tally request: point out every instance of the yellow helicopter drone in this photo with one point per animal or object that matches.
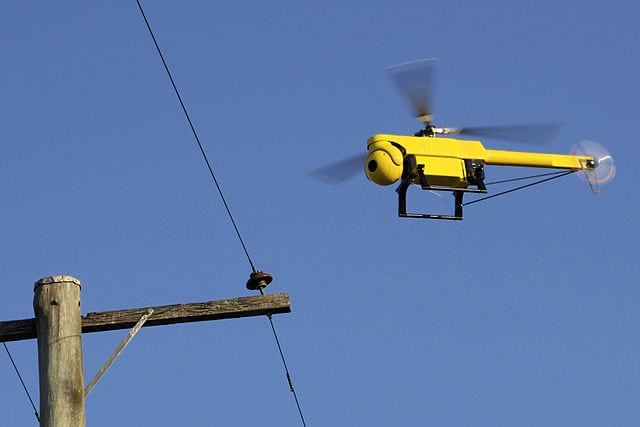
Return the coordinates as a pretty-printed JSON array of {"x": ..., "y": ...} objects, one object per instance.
[{"x": 436, "y": 162}]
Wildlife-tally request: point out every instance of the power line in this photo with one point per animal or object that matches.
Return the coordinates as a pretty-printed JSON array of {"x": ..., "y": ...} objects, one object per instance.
[
  {"x": 21, "y": 381},
  {"x": 204, "y": 156},
  {"x": 195, "y": 134},
  {"x": 286, "y": 370}
]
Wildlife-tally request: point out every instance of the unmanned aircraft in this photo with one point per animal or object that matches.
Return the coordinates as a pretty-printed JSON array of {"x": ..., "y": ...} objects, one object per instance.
[{"x": 435, "y": 161}]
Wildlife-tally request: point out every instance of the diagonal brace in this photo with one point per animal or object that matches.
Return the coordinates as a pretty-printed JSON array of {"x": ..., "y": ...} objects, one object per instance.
[{"x": 118, "y": 350}]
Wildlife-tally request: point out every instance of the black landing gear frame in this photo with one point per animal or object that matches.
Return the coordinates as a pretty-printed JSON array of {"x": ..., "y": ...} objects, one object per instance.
[{"x": 413, "y": 172}]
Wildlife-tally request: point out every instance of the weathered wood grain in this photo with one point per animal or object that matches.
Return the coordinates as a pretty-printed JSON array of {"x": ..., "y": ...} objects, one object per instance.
[{"x": 16, "y": 330}]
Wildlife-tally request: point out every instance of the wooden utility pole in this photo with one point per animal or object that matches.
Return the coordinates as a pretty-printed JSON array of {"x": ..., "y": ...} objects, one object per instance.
[
  {"x": 56, "y": 303},
  {"x": 58, "y": 325}
]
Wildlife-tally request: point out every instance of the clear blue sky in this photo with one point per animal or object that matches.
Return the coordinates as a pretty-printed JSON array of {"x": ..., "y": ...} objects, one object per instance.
[{"x": 526, "y": 313}]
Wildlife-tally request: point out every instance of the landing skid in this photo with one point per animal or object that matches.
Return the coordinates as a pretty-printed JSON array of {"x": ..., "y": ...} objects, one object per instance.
[{"x": 458, "y": 193}]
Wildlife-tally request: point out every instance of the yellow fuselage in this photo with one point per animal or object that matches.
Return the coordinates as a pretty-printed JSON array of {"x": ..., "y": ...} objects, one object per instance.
[{"x": 446, "y": 160}]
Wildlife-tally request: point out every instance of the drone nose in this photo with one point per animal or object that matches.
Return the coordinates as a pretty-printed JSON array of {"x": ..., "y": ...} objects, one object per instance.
[{"x": 384, "y": 166}]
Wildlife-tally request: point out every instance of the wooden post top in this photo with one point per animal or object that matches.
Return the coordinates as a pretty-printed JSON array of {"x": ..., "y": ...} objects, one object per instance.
[{"x": 51, "y": 280}]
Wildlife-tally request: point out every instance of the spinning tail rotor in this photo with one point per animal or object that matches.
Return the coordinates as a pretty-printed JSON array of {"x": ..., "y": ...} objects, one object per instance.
[{"x": 605, "y": 169}]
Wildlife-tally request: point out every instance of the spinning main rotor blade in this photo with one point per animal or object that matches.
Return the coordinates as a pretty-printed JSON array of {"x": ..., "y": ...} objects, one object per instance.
[
  {"x": 340, "y": 171},
  {"x": 536, "y": 133},
  {"x": 415, "y": 80}
]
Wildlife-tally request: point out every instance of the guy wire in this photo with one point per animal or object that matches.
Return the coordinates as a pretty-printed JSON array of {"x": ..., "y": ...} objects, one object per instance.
[
  {"x": 22, "y": 382},
  {"x": 195, "y": 134}
]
